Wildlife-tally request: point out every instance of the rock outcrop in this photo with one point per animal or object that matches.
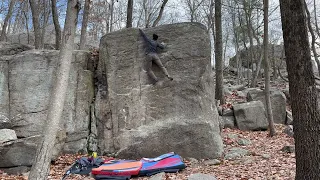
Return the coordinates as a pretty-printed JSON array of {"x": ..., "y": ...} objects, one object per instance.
[
  {"x": 112, "y": 107},
  {"x": 141, "y": 119},
  {"x": 278, "y": 103},
  {"x": 26, "y": 81},
  {"x": 250, "y": 116}
]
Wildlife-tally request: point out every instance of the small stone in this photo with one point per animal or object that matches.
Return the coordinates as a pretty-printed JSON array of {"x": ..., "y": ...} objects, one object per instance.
[
  {"x": 244, "y": 142},
  {"x": 246, "y": 160},
  {"x": 232, "y": 136},
  {"x": 229, "y": 121},
  {"x": 158, "y": 176},
  {"x": 241, "y": 94},
  {"x": 200, "y": 176},
  {"x": 289, "y": 130},
  {"x": 288, "y": 149},
  {"x": 236, "y": 152},
  {"x": 212, "y": 162},
  {"x": 227, "y": 112},
  {"x": 192, "y": 160},
  {"x": 266, "y": 156}
]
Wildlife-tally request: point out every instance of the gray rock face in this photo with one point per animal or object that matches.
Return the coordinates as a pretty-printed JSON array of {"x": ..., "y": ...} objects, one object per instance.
[
  {"x": 142, "y": 119},
  {"x": 250, "y": 116},
  {"x": 12, "y": 48},
  {"x": 20, "y": 170},
  {"x": 6, "y": 49},
  {"x": 187, "y": 138},
  {"x": 18, "y": 153},
  {"x": 7, "y": 135},
  {"x": 278, "y": 103},
  {"x": 200, "y": 176},
  {"x": 21, "y": 152},
  {"x": 25, "y": 83}
]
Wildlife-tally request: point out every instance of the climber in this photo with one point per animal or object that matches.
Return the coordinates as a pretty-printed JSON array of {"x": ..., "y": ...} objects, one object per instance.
[{"x": 152, "y": 56}]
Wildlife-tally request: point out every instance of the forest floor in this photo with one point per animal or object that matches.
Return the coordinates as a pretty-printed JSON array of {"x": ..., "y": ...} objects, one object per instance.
[{"x": 265, "y": 161}]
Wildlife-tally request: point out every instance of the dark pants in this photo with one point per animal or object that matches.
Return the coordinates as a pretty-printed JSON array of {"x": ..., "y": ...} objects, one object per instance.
[{"x": 153, "y": 57}]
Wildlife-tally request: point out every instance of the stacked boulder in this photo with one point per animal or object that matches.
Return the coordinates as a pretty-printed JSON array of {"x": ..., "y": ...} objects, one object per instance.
[
  {"x": 251, "y": 115},
  {"x": 26, "y": 83}
]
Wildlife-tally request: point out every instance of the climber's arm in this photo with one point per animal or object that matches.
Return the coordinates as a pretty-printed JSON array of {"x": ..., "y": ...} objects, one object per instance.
[{"x": 144, "y": 36}]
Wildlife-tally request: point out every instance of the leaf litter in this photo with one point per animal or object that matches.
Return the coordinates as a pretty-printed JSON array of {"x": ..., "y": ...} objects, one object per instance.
[{"x": 265, "y": 161}]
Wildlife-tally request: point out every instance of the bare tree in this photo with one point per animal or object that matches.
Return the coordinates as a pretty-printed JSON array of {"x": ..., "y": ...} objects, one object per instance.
[
  {"x": 303, "y": 91},
  {"x": 155, "y": 23},
  {"x": 45, "y": 18},
  {"x": 218, "y": 53},
  {"x": 111, "y": 15},
  {"x": 55, "y": 18},
  {"x": 6, "y": 21},
  {"x": 41, "y": 166},
  {"x": 25, "y": 14},
  {"x": 85, "y": 18},
  {"x": 272, "y": 131},
  {"x": 316, "y": 19},
  {"x": 313, "y": 37},
  {"x": 129, "y": 13},
  {"x": 193, "y": 9},
  {"x": 36, "y": 25}
]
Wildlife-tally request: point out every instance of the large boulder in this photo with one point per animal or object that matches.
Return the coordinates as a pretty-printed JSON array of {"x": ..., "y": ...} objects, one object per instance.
[
  {"x": 274, "y": 52},
  {"x": 278, "y": 103},
  {"x": 136, "y": 118},
  {"x": 250, "y": 116},
  {"x": 6, "y": 49},
  {"x": 26, "y": 82}
]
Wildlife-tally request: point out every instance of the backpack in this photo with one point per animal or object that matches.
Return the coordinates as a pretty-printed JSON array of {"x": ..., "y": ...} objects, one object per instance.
[{"x": 83, "y": 166}]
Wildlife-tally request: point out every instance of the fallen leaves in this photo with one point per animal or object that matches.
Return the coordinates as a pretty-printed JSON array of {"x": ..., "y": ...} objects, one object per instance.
[{"x": 265, "y": 161}]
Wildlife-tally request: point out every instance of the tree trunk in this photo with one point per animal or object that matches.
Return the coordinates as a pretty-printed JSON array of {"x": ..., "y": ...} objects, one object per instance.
[
  {"x": 315, "y": 18},
  {"x": 313, "y": 37},
  {"x": 55, "y": 18},
  {"x": 111, "y": 15},
  {"x": 303, "y": 91},
  {"x": 46, "y": 15},
  {"x": 236, "y": 45},
  {"x": 36, "y": 25},
  {"x": 17, "y": 20},
  {"x": 85, "y": 18},
  {"x": 272, "y": 131},
  {"x": 6, "y": 21},
  {"x": 218, "y": 53},
  {"x": 317, "y": 30},
  {"x": 41, "y": 166},
  {"x": 129, "y": 13},
  {"x": 274, "y": 67},
  {"x": 27, "y": 20},
  {"x": 155, "y": 23},
  {"x": 247, "y": 11},
  {"x": 27, "y": 27}
]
